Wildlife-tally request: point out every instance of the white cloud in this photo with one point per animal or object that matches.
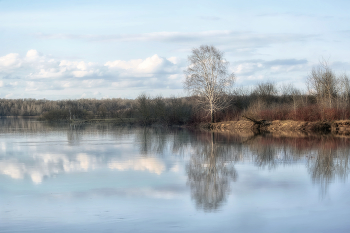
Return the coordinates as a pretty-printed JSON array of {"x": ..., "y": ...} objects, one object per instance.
[
  {"x": 174, "y": 76},
  {"x": 31, "y": 86},
  {"x": 39, "y": 75},
  {"x": 124, "y": 84},
  {"x": 66, "y": 84},
  {"x": 39, "y": 66},
  {"x": 8, "y": 96},
  {"x": 250, "y": 72},
  {"x": 149, "y": 65},
  {"x": 32, "y": 54},
  {"x": 35, "y": 72},
  {"x": 246, "y": 67},
  {"x": 10, "y": 61},
  {"x": 91, "y": 83},
  {"x": 173, "y": 60}
]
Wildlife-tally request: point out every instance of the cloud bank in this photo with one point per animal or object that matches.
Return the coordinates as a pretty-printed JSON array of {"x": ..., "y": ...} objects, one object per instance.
[{"x": 35, "y": 73}]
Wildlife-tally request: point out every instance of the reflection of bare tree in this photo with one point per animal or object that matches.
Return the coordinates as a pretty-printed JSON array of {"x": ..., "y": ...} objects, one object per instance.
[
  {"x": 157, "y": 140},
  {"x": 152, "y": 140},
  {"x": 328, "y": 156},
  {"x": 327, "y": 165},
  {"x": 270, "y": 152},
  {"x": 74, "y": 134},
  {"x": 210, "y": 169},
  {"x": 209, "y": 175},
  {"x": 266, "y": 156}
]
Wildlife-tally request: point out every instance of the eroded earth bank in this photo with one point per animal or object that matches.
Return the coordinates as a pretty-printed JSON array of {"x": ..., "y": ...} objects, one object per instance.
[{"x": 284, "y": 127}]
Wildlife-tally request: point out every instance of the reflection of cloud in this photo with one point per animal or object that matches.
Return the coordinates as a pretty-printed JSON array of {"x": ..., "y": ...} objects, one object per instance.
[
  {"x": 164, "y": 192},
  {"x": 152, "y": 165},
  {"x": 81, "y": 162},
  {"x": 175, "y": 168},
  {"x": 45, "y": 165},
  {"x": 12, "y": 169},
  {"x": 37, "y": 177},
  {"x": 18, "y": 170}
]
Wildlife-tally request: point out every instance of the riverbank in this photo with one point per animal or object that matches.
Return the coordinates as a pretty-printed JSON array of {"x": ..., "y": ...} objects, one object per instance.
[
  {"x": 278, "y": 127},
  {"x": 303, "y": 127}
]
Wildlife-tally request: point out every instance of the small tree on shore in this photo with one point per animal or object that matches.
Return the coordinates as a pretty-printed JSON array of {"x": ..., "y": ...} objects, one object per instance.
[{"x": 207, "y": 78}]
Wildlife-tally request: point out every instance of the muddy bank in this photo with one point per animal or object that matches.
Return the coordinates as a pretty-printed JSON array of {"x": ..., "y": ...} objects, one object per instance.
[
  {"x": 341, "y": 127},
  {"x": 283, "y": 127}
]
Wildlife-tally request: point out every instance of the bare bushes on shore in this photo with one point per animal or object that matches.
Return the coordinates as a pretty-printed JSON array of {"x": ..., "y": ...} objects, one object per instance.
[
  {"x": 327, "y": 98},
  {"x": 163, "y": 110}
]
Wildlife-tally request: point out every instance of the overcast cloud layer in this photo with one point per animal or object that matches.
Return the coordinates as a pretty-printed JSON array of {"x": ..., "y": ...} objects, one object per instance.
[{"x": 105, "y": 49}]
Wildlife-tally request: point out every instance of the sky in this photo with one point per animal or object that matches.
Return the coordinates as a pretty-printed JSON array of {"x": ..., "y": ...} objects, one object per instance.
[{"x": 120, "y": 49}]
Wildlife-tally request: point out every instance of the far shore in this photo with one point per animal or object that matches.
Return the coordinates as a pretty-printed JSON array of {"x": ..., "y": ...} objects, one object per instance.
[{"x": 340, "y": 127}]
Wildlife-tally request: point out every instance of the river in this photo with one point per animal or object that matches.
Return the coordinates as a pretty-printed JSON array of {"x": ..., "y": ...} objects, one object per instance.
[{"x": 107, "y": 178}]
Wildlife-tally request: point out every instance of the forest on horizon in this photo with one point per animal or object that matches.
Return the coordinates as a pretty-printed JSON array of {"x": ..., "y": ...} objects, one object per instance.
[{"x": 264, "y": 101}]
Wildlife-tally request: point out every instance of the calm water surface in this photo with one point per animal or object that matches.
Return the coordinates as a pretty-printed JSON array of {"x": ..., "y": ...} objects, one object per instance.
[{"x": 104, "y": 178}]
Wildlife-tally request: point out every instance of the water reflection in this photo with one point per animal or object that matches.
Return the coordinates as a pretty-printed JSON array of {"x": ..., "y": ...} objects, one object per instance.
[
  {"x": 210, "y": 172},
  {"x": 327, "y": 157},
  {"x": 327, "y": 164},
  {"x": 74, "y": 135},
  {"x": 40, "y": 151}
]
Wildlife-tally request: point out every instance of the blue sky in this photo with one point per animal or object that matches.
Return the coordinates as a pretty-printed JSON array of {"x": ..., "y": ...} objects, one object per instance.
[{"x": 111, "y": 49}]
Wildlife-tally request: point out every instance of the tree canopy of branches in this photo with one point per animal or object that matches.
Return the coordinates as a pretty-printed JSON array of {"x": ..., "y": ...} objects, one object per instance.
[
  {"x": 265, "y": 90},
  {"x": 207, "y": 77},
  {"x": 323, "y": 83}
]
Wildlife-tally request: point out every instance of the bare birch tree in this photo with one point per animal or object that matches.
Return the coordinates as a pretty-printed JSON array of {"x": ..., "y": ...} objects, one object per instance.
[
  {"x": 322, "y": 82},
  {"x": 208, "y": 78}
]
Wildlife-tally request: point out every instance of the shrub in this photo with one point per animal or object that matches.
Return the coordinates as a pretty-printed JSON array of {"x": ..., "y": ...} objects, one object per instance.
[
  {"x": 64, "y": 114},
  {"x": 55, "y": 115}
]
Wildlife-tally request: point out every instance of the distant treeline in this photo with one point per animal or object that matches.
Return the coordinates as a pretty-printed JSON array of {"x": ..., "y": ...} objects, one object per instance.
[
  {"x": 144, "y": 109},
  {"x": 327, "y": 98},
  {"x": 263, "y": 102}
]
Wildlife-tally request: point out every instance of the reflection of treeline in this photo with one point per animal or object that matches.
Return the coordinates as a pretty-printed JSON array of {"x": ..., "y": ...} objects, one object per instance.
[
  {"x": 326, "y": 157},
  {"x": 24, "y": 126},
  {"x": 213, "y": 155},
  {"x": 303, "y": 144}
]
